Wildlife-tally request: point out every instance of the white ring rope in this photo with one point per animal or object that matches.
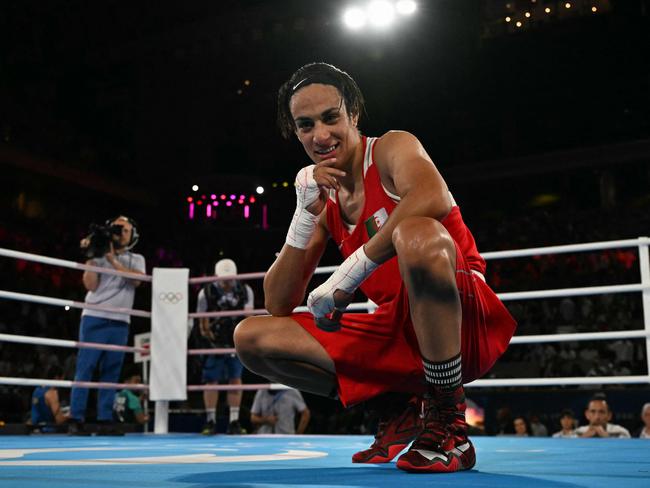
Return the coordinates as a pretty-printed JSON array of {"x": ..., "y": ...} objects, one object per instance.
[
  {"x": 216, "y": 350},
  {"x": 44, "y": 341},
  {"x": 240, "y": 277},
  {"x": 573, "y": 292},
  {"x": 4, "y": 380},
  {"x": 10, "y": 253},
  {"x": 71, "y": 303},
  {"x": 589, "y": 246},
  {"x": 581, "y": 336},
  {"x": 490, "y": 383},
  {"x": 562, "y": 381},
  {"x": 250, "y": 386},
  {"x": 261, "y": 311},
  {"x": 641, "y": 243}
]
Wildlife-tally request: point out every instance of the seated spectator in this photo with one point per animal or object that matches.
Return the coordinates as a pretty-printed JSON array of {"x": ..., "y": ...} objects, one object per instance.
[
  {"x": 46, "y": 408},
  {"x": 537, "y": 428},
  {"x": 598, "y": 414},
  {"x": 274, "y": 412},
  {"x": 520, "y": 423},
  {"x": 127, "y": 406},
  {"x": 568, "y": 423},
  {"x": 644, "y": 432},
  {"x": 504, "y": 421}
]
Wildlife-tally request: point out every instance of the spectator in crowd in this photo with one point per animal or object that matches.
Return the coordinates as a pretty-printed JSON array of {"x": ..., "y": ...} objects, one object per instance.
[
  {"x": 598, "y": 415},
  {"x": 274, "y": 412},
  {"x": 504, "y": 421},
  {"x": 568, "y": 423},
  {"x": 127, "y": 408},
  {"x": 47, "y": 411},
  {"x": 537, "y": 428},
  {"x": 644, "y": 432},
  {"x": 219, "y": 296},
  {"x": 522, "y": 428},
  {"x": 101, "y": 326}
]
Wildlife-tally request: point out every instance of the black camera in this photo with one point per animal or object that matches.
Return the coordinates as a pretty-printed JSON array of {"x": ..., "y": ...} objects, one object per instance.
[
  {"x": 223, "y": 329},
  {"x": 100, "y": 239}
]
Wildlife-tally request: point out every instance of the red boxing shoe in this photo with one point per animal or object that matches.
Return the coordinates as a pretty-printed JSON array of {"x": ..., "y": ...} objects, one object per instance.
[
  {"x": 393, "y": 435},
  {"x": 443, "y": 445}
]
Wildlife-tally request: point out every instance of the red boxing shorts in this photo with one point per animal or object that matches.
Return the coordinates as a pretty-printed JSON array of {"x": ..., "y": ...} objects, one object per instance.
[{"x": 376, "y": 353}]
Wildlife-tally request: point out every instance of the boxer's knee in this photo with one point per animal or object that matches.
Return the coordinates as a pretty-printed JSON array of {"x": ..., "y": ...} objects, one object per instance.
[
  {"x": 427, "y": 258},
  {"x": 422, "y": 241},
  {"x": 249, "y": 339}
]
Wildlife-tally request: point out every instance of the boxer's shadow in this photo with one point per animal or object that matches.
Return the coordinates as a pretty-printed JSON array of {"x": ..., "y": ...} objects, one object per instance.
[{"x": 383, "y": 475}]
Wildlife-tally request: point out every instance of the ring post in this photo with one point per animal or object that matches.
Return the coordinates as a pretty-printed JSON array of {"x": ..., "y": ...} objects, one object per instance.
[
  {"x": 644, "y": 263},
  {"x": 169, "y": 308}
]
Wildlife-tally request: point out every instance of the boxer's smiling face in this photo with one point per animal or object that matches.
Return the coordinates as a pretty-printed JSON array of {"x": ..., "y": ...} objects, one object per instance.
[{"x": 323, "y": 125}]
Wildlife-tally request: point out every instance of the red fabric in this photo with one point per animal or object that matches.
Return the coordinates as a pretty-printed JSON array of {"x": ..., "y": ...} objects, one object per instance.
[{"x": 375, "y": 353}]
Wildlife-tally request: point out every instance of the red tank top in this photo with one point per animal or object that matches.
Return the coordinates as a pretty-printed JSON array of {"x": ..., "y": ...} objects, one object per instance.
[{"x": 384, "y": 284}]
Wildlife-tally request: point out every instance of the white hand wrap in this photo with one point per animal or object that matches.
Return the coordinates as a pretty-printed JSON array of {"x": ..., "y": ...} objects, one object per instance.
[
  {"x": 352, "y": 272},
  {"x": 303, "y": 222}
]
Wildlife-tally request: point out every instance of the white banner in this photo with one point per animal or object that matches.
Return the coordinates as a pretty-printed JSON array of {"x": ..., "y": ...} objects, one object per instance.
[{"x": 169, "y": 307}]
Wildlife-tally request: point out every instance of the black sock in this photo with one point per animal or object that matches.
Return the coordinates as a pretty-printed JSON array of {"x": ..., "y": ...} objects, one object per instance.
[{"x": 445, "y": 375}]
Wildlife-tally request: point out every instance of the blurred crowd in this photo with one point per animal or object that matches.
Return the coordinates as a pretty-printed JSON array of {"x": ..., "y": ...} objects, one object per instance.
[{"x": 550, "y": 226}]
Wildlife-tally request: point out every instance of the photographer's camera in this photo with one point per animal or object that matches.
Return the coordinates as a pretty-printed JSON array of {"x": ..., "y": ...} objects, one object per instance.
[{"x": 99, "y": 240}]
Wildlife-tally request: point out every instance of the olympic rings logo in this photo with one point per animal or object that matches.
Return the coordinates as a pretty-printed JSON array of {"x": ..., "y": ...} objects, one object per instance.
[{"x": 170, "y": 297}]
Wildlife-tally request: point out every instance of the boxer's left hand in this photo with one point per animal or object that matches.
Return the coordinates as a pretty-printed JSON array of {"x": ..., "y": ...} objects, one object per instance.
[
  {"x": 324, "y": 300},
  {"x": 337, "y": 292}
]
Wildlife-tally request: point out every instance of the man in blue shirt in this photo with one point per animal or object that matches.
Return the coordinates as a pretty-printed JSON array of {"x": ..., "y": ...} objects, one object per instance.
[{"x": 46, "y": 407}]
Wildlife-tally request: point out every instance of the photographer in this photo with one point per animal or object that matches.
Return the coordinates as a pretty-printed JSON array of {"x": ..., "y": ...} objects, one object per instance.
[
  {"x": 217, "y": 296},
  {"x": 110, "y": 245}
]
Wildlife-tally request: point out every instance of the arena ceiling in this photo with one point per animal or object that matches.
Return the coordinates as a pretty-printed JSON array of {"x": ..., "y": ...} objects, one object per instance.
[{"x": 160, "y": 96}]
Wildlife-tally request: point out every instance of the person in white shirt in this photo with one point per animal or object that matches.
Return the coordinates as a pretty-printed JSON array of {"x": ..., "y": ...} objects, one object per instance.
[
  {"x": 568, "y": 423},
  {"x": 274, "y": 412},
  {"x": 599, "y": 415},
  {"x": 103, "y": 326},
  {"x": 644, "y": 432}
]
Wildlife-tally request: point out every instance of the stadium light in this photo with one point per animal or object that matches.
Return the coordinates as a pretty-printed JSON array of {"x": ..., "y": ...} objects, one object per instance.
[
  {"x": 405, "y": 7},
  {"x": 377, "y": 13},
  {"x": 354, "y": 18},
  {"x": 381, "y": 13}
]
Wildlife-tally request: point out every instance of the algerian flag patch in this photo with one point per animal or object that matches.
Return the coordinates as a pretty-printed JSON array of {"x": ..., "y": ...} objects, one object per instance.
[{"x": 374, "y": 222}]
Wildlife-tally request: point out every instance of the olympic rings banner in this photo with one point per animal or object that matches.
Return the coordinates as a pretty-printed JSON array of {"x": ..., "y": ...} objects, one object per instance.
[{"x": 169, "y": 308}]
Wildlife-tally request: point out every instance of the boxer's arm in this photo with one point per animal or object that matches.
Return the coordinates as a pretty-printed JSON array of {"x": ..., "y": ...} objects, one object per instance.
[
  {"x": 407, "y": 171},
  {"x": 286, "y": 281}
]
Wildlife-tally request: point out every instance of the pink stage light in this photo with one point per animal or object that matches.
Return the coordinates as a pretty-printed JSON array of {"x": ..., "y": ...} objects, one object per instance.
[
  {"x": 191, "y": 210},
  {"x": 265, "y": 221},
  {"x": 247, "y": 211}
]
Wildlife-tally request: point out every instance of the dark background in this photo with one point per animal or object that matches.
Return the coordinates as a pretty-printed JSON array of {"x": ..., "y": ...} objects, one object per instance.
[{"x": 542, "y": 132}]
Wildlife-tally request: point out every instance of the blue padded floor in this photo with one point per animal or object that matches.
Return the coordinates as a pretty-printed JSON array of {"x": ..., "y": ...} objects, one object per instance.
[{"x": 312, "y": 461}]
